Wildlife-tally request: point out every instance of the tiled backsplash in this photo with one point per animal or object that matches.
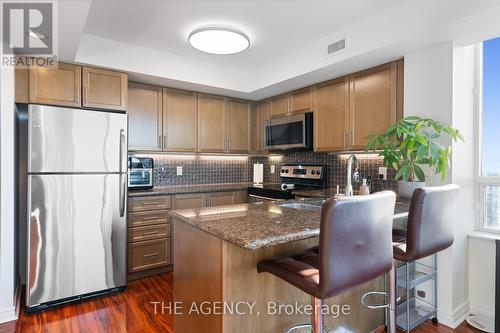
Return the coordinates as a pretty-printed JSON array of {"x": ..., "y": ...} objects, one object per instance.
[{"x": 232, "y": 169}]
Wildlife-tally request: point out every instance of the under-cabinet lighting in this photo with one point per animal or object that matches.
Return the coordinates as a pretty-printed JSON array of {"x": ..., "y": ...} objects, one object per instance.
[
  {"x": 275, "y": 157},
  {"x": 224, "y": 157},
  {"x": 361, "y": 156}
]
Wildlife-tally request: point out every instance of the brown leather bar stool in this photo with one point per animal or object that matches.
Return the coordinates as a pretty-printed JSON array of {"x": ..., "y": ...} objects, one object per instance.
[
  {"x": 429, "y": 231},
  {"x": 354, "y": 247}
]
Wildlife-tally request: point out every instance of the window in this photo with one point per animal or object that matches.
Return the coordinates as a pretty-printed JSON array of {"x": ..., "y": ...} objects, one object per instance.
[{"x": 489, "y": 169}]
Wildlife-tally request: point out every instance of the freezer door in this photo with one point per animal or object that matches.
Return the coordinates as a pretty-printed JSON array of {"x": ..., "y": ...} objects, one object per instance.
[
  {"x": 63, "y": 140},
  {"x": 76, "y": 235}
]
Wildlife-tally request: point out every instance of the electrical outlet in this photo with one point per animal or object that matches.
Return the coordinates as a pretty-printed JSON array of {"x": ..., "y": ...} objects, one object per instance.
[
  {"x": 273, "y": 169},
  {"x": 382, "y": 173},
  {"x": 179, "y": 171}
]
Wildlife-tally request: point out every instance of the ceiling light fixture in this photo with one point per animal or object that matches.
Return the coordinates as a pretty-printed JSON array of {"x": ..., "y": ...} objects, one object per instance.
[{"x": 219, "y": 40}]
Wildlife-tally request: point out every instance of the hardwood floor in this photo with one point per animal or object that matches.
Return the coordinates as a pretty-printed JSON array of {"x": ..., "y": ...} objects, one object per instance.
[{"x": 131, "y": 311}]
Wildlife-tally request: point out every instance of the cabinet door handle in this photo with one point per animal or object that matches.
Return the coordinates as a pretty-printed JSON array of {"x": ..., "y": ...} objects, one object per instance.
[
  {"x": 164, "y": 142},
  {"x": 159, "y": 142},
  {"x": 345, "y": 140},
  {"x": 85, "y": 94},
  {"x": 151, "y": 255},
  {"x": 352, "y": 139},
  {"x": 77, "y": 93},
  {"x": 151, "y": 218}
]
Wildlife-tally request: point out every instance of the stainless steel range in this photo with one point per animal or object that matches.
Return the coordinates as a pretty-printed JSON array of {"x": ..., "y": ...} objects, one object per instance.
[{"x": 293, "y": 177}]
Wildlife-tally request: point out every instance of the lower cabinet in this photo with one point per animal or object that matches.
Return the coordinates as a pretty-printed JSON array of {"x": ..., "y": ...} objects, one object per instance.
[
  {"x": 149, "y": 242},
  {"x": 149, "y": 228}
]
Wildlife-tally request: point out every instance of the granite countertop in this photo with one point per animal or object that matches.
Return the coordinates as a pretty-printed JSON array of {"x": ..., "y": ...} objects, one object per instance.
[
  {"x": 187, "y": 189},
  {"x": 259, "y": 225}
]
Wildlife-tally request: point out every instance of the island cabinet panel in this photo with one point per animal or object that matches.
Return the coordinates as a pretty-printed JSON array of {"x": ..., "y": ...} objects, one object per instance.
[
  {"x": 238, "y": 126},
  {"x": 104, "y": 89},
  {"x": 230, "y": 276},
  {"x": 212, "y": 124},
  {"x": 373, "y": 103},
  {"x": 145, "y": 117},
  {"x": 149, "y": 236},
  {"x": 331, "y": 116},
  {"x": 240, "y": 197},
  {"x": 54, "y": 86},
  {"x": 180, "y": 120}
]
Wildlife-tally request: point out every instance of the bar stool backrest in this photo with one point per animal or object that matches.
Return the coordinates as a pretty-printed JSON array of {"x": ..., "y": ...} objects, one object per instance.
[
  {"x": 431, "y": 220},
  {"x": 355, "y": 241}
]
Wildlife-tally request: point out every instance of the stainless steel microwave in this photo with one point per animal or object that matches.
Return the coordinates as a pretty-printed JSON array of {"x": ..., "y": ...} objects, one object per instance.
[
  {"x": 140, "y": 173},
  {"x": 292, "y": 132}
]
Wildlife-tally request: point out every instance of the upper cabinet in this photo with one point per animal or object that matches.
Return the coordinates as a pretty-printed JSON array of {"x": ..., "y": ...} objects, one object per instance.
[
  {"x": 72, "y": 86},
  {"x": 104, "y": 89},
  {"x": 58, "y": 86},
  {"x": 212, "y": 120},
  {"x": 260, "y": 116},
  {"x": 301, "y": 100},
  {"x": 353, "y": 107},
  {"x": 295, "y": 102},
  {"x": 224, "y": 125},
  {"x": 180, "y": 120},
  {"x": 145, "y": 117},
  {"x": 331, "y": 116},
  {"x": 238, "y": 126},
  {"x": 372, "y": 103},
  {"x": 279, "y": 106}
]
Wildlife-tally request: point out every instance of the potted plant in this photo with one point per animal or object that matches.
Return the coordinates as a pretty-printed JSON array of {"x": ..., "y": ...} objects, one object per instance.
[{"x": 411, "y": 143}]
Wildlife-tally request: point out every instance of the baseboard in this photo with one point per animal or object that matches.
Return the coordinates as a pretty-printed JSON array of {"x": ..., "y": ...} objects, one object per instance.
[
  {"x": 454, "y": 319},
  {"x": 478, "y": 309},
  {"x": 8, "y": 314}
]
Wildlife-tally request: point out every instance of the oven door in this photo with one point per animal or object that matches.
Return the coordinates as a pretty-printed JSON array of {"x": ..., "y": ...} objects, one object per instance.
[{"x": 294, "y": 132}]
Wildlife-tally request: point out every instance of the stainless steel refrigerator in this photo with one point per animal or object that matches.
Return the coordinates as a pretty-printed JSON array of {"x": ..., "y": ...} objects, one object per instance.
[{"x": 76, "y": 195}]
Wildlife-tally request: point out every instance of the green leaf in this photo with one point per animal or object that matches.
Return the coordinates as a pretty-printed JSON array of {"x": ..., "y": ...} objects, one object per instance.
[{"x": 419, "y": 173}]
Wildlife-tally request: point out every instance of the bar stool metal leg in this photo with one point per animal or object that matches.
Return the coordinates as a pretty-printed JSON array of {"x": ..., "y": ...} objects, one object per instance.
[
  {"x": 317, "y": 315},
  {"x": 392, "y": 299},
  {"x": 407, "y": 297}
]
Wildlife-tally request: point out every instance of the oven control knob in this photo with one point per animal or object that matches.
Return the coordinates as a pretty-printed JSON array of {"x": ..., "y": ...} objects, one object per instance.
[
  {"x": 313, "y": 172},
  {"x": 286, "y": 171},
  {"x": 282, "y": 170},
  {"x": 318, "y": 172}
]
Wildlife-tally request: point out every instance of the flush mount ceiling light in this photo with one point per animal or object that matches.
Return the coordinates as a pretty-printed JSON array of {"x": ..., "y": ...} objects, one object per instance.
[{"x": 219, "y": 40}]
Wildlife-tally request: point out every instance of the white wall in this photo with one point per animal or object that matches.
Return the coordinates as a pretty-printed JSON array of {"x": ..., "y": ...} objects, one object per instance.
[
  {"x": 439, "y": 84},
  {"x": 7, "y": 274}
]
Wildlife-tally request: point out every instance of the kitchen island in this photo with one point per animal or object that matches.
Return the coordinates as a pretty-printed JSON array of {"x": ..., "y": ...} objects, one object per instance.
[{"x": 216, "y": 283}]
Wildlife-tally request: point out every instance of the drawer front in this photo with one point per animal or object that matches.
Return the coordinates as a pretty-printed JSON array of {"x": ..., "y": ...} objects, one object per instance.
[
  {"x": 148, "y": 254},
  {"x": 149, "y": 203},
  {"x": 139, "y": 219},
  {"x": 149, "y": 232}
]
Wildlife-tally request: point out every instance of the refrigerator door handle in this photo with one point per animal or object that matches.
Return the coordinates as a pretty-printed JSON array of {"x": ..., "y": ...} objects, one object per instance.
[
  {"x": 123, "y": 193},
  {"x": 122, "y": 150}
]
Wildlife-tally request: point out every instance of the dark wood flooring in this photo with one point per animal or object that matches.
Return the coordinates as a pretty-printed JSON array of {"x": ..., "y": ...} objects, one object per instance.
[{"x": 131, "y": 311}]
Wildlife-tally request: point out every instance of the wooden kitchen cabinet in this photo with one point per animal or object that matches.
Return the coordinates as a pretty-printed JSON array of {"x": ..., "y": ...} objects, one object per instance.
[
  {"x": 373, "y": 102},
  {"x": 331, "y": 116},
  {"x": 238, "y": 127},
  {"x": 149, "y": 236},
  {"x": 104, "y": 89},
  {"x": 54, "y": 86},
  {"x": 145, "y": 117},
  {"x": 263, "y": 109},
  {"x": 180, "y": 120},
  {"x": 240, "y": 197},
  {"x": 279, "y": 106},
  {"x": 301, "y": 100},
  {"x": 221, "y": 199},
  {"x": 187, "y": 201},
  {"x": 211, "y": 124}
]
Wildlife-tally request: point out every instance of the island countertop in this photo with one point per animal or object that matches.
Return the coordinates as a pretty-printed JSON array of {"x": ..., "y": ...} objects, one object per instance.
[{"x": 259, "y": 225}]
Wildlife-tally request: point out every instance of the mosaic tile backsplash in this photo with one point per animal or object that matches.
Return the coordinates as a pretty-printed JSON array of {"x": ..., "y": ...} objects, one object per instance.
[{"x": 234, "y": 169}]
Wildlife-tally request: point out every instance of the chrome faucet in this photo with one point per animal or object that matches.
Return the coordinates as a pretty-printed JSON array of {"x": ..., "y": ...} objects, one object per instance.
[{"x": 351, "y": 176}]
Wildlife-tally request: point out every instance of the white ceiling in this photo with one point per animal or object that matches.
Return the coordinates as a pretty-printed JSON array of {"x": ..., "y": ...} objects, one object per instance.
[
  {"x": 275, "y": 27},
  {"x": 148, "y": 38}
]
